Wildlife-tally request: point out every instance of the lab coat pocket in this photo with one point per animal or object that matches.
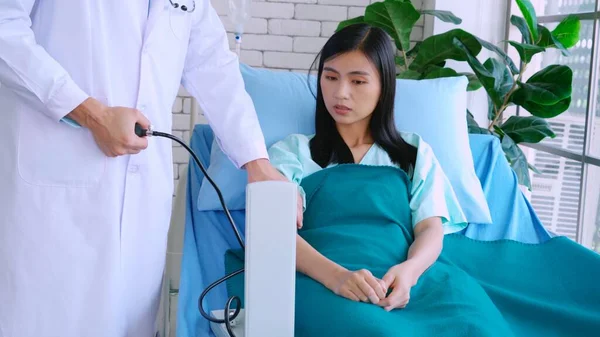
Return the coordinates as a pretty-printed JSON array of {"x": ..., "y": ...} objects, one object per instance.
[
  {"x": 56, "y": 154},
  {"x": 179, "y": 23}
]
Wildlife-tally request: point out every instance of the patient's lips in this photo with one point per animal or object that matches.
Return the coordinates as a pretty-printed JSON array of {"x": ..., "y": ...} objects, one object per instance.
[{"x": 341, "y": 109}]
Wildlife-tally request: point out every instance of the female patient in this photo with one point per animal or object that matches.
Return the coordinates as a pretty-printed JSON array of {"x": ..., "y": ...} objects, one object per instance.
[{"x": 377, "y": 206}]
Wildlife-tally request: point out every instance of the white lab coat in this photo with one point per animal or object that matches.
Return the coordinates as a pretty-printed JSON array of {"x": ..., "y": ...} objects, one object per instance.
[{"x": 83, "y": 236}]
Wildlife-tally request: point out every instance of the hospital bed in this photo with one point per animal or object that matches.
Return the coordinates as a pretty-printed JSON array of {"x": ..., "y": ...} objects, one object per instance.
[{"x": 207, "y": 234}]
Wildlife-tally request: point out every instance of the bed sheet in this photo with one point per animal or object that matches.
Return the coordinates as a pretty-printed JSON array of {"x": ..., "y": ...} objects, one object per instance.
[{"x": 208, "y": 234}]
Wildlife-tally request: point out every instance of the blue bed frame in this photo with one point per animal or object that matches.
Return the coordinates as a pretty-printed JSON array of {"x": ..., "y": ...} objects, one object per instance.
[{"x": 208, "y": 234}]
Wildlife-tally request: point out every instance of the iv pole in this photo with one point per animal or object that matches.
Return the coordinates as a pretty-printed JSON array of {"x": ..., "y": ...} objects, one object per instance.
[{"x": 239, "y": 13}]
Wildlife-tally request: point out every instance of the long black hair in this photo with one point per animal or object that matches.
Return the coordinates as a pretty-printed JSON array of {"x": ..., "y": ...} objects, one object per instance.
[{"x": 328, "y": 146}]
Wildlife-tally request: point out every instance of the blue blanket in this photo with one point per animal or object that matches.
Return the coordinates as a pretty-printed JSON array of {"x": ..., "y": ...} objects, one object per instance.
[
  {"x": 359, "y": 217},
  {"x": 207, "y": 234}
]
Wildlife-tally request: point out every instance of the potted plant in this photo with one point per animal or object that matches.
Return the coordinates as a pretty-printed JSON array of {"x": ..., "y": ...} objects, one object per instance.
[{"x": 545, "y": 94}]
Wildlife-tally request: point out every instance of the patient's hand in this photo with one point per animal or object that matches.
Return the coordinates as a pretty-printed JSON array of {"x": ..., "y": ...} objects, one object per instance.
[
  {"x": 359, "y": 285},
  {"x": 400, "y": 278}
]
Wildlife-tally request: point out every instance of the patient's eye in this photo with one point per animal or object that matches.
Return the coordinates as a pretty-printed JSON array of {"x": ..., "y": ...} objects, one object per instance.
[
  {"x": 359, "y": 82},
  {"x": 330, "y": 78}
]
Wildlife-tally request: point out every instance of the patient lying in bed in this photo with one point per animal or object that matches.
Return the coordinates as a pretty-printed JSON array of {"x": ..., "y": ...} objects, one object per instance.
[
  {"x": 376, "y": 255},
  {"x": 371, "y": 233}
]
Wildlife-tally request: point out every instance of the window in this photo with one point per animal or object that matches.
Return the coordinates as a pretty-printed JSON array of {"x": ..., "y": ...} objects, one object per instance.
[{"x": 566, "y": 191}]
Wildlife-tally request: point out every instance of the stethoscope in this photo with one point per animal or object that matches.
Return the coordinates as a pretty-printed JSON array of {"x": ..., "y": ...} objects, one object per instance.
[{"x": 184, "y": 7}]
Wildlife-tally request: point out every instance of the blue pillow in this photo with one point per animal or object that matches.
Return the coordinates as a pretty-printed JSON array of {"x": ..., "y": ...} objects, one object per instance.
[{"x": 435, "y": 109}]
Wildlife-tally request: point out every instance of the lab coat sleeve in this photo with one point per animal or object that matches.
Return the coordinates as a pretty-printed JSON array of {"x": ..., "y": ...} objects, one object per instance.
[
  {"x": 432, "y": 194},
  {"x": 212, "y": 75},
  {"x": 26, "y": 67},
  {"x": 288, "y": 158}
]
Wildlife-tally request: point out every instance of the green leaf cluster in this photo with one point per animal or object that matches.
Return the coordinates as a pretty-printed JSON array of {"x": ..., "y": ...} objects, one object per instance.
[{"x": 545, "y": 94}]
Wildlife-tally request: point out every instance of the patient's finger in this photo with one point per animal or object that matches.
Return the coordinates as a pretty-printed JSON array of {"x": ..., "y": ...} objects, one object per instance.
[
  {"x": 383, "y": 286},
  {"x": 395, "y": 300},
  {"x": 368, "y": 290},
  {"x": 356, "y": 289},
  {"x": 300, "y": 210},
  {"x": 376, "y": 285},
  {"x": 350, "y": 295}
]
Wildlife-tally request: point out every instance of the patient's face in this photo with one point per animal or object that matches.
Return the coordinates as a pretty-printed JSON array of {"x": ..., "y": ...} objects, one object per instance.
[{"x": 351, "y": 87}]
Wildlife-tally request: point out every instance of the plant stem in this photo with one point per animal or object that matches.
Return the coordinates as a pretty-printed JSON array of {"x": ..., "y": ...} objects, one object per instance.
[
  {"x": 405, "y": 60},
  {"x": 507, "y": 97}
]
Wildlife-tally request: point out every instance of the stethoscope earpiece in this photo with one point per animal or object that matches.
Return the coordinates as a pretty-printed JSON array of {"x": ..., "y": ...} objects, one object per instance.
[{"x": 183, "y": 7}]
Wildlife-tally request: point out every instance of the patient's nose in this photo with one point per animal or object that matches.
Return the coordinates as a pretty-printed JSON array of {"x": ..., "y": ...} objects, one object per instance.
[{"x": 342, "y": 91}]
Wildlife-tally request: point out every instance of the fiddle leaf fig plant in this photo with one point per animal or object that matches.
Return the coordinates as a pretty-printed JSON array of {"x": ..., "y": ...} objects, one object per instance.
[{"x": 545, "y": 94}]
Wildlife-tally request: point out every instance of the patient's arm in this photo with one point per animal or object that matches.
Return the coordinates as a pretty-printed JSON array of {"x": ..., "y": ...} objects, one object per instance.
[
  {"x": 358, "y": 285},
  {"x": 424, "y": 251}
]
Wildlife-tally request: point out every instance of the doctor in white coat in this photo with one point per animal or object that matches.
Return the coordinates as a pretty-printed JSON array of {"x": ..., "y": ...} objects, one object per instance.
[{"x": 84, "y": 212}]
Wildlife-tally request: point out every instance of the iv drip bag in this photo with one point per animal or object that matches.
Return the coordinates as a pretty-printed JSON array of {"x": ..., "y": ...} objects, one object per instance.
[{"x": 239, "y": 13}]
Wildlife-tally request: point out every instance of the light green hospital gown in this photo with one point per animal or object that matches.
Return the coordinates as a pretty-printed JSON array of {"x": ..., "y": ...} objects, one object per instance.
[{"x": 430, "y": 190}]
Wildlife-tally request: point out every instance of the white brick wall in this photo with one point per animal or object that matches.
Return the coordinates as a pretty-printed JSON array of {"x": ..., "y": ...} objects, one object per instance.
[{"x": 283, "y": 35}]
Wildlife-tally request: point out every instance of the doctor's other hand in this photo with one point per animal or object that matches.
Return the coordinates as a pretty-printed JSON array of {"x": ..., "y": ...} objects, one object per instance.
[
  {"x": 262, "y": 170},
  {"x": 113, "y": 128},
  {"x": 359, "y": 285}
]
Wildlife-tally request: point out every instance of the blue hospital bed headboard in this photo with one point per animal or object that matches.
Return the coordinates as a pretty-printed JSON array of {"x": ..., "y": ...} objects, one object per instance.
[{"x": 208, "y": 235}]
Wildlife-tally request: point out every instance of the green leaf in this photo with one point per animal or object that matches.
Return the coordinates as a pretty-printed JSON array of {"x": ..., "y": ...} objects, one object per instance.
[
  {"x": 526, "y": 51},
  {"x": 410, "y": 55},
  {"x": 505, "y": 58},
  {"x": 346, "y": 23},
  {"x": 498, "y": 130},
  {"x": 547, "y": 111},
  {"x": 504, "y": 80},
  {"x": 494, "y": 76},
  {"x": 547, "y": 40},
  {"x": 399, "y": 60},
  {"x": 409, "y": 75},
  {"x": 474, "y": 128},
  {"x": 491, "y": 109},
  {"x": 441, "y": 72},
  {"x": 516, "y": 159},
  {"x": 471, "y": 119},
  {"x": 445, "y": 16},
  {"x": 546, "y": 87},
  {"x": 533, "y": 168},
  {"x": 474, "y": 83},
  {"x": 567, "y": 31},
  {"x": 521, "y": 24},
  {"x": 496, "y": 80},
  {"x": 415, "y": 50},
  {"x": 528, "y": 129},
  {"x": 530, "y": 17},
  {"x": 396, "y": 18},
  {"x": 439, "y": 48}
]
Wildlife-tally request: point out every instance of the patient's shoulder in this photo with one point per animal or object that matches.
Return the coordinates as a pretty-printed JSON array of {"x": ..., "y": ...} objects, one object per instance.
[
  {"x": 296, "y": 144},
  {"x": 293, "y": 141},
  {"x": 413, "y": 139}
]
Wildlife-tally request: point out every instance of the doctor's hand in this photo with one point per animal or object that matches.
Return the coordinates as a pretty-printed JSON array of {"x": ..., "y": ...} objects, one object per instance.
[
  {"x": 359, "y": 285},
  {"x": 262, "y": 170},
  {"x": 113, "y": 128},
  {"x": 400, "y": 278}
]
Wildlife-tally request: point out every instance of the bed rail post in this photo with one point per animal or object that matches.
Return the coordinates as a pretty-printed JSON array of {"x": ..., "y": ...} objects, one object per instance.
[{"x": 270, "y": 263}]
